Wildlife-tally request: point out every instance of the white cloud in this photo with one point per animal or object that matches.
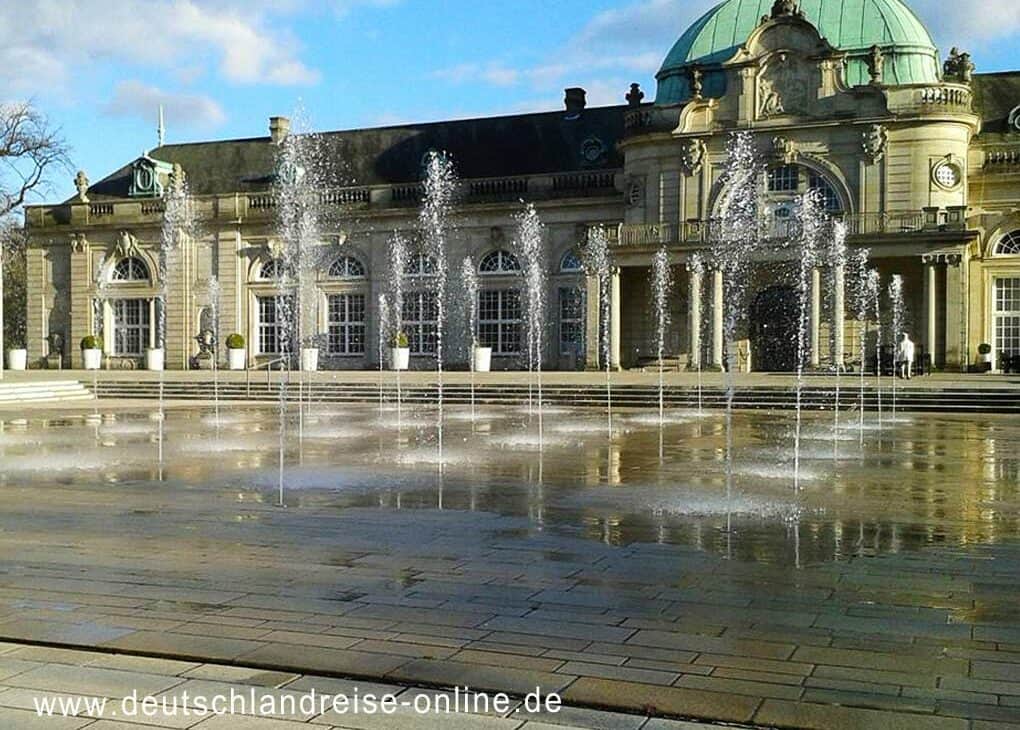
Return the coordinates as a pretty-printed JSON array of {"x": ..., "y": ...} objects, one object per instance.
[
  {"x": 629, "y": 43},
  {"x": 969, "y": 23},
  {"x": 52, "y": 45},
  {"x": 135, "y": 99}
]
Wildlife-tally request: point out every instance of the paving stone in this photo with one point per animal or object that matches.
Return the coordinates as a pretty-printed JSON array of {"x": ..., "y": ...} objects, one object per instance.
[
  {"x": 995, "y": 670},
  {"x": 741, "y": 687},
  {"x": 579, "y": 717},
  {"x": 143, "y": 664},
  {"x": 240, "y": 675},
  {"x": 712, "y": 644},
  {"x": 589, "y": 632},
  {"x": 877, "y": 660},
  {"x": 785, "y": 713},
  {"x": 241, "y": 722},
  {"x": 480, "y": 677},
  {"x": 667, "y": 700},
  {"x": 517, "y": 661},
  {"x": 322, "y": 660},
  {"x": 183, "y": 646},
  {"x": 11, "y": 667},
  {"x": 11, "y": 719},
  {"x": 92, "y": 681}
]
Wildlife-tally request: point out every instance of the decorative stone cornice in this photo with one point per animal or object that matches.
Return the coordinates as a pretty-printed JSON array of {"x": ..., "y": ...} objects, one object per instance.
[{"x": 950, "y": 258}]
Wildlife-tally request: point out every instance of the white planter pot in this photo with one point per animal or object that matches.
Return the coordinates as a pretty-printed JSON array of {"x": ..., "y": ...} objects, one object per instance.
[
  {"x": 155, "y": 359},
  {"x": 481, "y": 362},
  {"x": 93, "y": 359},
  {"x": 309, "y": 359},
  {"x": 237, "y": 358},
  {"x": 17, "y": 359},
  {"x": 400, "y": 358}
]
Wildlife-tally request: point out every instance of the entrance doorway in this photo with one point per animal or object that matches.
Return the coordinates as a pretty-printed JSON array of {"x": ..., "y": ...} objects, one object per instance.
[{"x": 774, "y": 329}]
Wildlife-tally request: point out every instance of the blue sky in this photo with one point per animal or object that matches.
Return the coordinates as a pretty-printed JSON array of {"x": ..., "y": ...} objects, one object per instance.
[{"x": 222, "y": 67}]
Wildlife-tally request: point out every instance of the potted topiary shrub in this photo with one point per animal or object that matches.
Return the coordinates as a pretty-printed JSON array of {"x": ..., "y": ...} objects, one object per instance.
[
  {"x": 17, "y": 355},
  {"x": 400, "y": 353},
  {"x": 481, "y": 358},
  {"x": 985, "y": 357},
  {"x": 237, "y": 356},
  {"x": 91, "y": 353}
]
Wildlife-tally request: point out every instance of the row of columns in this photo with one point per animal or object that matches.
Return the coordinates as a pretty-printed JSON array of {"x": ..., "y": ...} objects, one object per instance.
[{"x": 717, "y": 328}]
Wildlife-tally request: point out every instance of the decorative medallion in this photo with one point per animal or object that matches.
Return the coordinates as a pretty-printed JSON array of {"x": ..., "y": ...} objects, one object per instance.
[
  {"x": 593, "y": 151},
  {"x": 635, "y": 191}
]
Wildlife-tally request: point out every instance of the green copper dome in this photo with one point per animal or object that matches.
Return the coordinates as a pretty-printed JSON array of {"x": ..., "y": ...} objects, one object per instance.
[{"x": 852, "y": 26}]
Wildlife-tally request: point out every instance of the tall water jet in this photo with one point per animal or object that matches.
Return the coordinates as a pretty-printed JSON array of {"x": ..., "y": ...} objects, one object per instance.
[
  {"x": 810, "y": 222},
  {"x": 179, "y": 227},
  {"x": 861, "y": 283},
  {"x": 469, "y": 279},
  {"x": 383, "y": 335},
  {"x": 875, "y": 292},
  {"x": 696, "y": 271},
  {"x": 662, "y": 284},
  {"x": 737, "y": 239},
  {"x": 213, "y": 288},
  {"x": 530, "y": 233},
  {"x": 897, "y": 310},
  {"x": 597, "y": 261},
  {"x": 437, "y": 202},
  {"x": 838, "y": 258},
  {"x": 398, "y": 270}
]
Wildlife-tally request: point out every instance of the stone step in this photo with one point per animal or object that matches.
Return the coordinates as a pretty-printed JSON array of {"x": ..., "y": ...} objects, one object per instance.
[{"x": 42, "y": 391}]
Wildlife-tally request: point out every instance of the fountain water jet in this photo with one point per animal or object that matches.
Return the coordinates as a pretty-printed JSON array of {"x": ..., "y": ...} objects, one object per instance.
[
  {"x": 440, "y": 188},
  {"x": 810, "y": 219},
  {"x": 696, "y": 269},
  {"x": 213, "y": 288},
  {"x": 597, "y": 256},
  {"x": 384, "y": 327},
  {"x": 838, "y": 256},
  {"x": 896, "y": 307},
  {"x": 662, "y": 283},
  {"x": 469, "y": 277},
  {"x": 398, "y": 270},
  {"x": 530, "y": 233}
]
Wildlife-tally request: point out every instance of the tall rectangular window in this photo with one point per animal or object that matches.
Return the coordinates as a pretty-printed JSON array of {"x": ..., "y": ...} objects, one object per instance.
[
  {"x": 499, "y": 320},
  {"x": 784, "y": 179},
  {"x": 130, "y": 326},
  {"x": 420, "y": 321},
  {"x": 572, "y": 320},
  {"x": 274, "y": 330},
  {"x": 346, "y": 323},
  {"x": 1007, "y": 318}
]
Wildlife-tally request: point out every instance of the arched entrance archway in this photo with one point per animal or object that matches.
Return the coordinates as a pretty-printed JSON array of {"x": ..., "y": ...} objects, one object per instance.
[{"x": 774, "y": 330}]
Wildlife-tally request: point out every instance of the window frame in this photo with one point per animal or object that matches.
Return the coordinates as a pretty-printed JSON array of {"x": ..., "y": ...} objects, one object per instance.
[
  {"x": 124, "y": 331},
  {"x": 496, "y": 332},
  {"x": 345, "y": 331}
]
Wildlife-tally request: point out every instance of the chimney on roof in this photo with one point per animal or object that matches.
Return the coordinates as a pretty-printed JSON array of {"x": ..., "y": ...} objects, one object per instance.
[
  {"x": 575, "y": 100},
  {"x": 279, "y": 128}
]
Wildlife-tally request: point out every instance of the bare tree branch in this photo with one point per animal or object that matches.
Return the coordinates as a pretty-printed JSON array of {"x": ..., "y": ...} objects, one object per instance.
[{"x": 30, "y": 150}]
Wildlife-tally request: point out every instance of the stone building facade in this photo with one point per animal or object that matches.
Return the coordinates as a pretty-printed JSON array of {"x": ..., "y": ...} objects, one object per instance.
[{"x": 920, "y": 158}]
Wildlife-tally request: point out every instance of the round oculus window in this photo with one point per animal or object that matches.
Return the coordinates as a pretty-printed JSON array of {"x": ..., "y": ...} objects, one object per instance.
[{"x": 948, "y": 175}]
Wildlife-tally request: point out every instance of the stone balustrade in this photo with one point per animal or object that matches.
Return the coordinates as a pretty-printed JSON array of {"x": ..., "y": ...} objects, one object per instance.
[{"x": 602, "y": 183}]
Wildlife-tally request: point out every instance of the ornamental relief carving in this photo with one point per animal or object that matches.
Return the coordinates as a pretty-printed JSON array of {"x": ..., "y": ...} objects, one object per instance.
[
  {"x": 875, "y": 143},
  {"x": 786, "y": 86},
  {"x": 692, "y": 156}
]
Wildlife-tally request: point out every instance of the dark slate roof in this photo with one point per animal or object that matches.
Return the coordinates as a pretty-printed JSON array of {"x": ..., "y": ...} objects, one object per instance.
[
  {"x": 524, "y": 144},
  {"x": 995, "y": 96}
]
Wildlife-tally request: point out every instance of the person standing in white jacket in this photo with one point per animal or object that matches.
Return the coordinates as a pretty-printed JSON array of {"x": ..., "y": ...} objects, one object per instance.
[{"x": 905, "y": 357}]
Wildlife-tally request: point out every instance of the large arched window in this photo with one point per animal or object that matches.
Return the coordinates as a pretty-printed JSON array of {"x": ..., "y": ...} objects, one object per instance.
[
  {"x": 571, "y": 263},
  {"x": 1008, "y": 245},
  {"x": 499, "y": 262},
  {"x": 420, "y": 264},
  {"x": 787, "y": 181},
  {"x": 272, "y": 270},
  {"x": 346, "y": 267},
  {"x": 130, "y": 269}
]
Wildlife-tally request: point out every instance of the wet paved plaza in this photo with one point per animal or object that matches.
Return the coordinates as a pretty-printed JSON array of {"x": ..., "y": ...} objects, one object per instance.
[{"x": 612, "y": 566}]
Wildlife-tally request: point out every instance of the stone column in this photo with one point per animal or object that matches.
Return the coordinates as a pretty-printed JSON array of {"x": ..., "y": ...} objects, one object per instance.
[
  {"x": 81, "y": 311},
  {"x": 717, "y": 319},
  {"x": 614, "y": 319},
  {"x": 814, "y": 325},
  {"x": 839, "y": 317},
  {"x": 955, "y": 358},
  {"x": 931, "y": 310},
  {"x": 694, "y": 311},
  {"x": 593, "y": 315}
]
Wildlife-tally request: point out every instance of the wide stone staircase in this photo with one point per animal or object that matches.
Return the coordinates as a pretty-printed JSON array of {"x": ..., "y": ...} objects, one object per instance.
[
  {"x": 814, "y": 397},
  {"x": 36, "y": 391}
]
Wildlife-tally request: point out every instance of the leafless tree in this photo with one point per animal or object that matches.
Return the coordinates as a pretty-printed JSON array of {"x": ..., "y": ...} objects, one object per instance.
[{"x": 30, "y": 150}]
